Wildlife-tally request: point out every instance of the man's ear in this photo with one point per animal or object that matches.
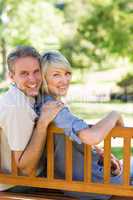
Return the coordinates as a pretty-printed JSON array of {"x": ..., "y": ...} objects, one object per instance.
[{"x": 11, "y": 75}]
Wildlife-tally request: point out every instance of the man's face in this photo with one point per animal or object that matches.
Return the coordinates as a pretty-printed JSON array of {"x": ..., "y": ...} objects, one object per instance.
[{"x": 27, "y": 75}]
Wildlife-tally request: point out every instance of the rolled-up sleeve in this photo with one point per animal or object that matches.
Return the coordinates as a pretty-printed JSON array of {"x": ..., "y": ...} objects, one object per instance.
[{"x": 70, "y": 123}]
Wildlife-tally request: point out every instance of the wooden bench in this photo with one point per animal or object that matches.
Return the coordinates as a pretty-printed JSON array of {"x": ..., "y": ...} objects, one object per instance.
[{"x": 125, "y": 190}]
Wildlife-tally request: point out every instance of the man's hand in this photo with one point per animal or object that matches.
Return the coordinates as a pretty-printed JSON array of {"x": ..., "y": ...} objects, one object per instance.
[
  {"x": 50, "y": 110},
  {"x": 116, "y": 167}
]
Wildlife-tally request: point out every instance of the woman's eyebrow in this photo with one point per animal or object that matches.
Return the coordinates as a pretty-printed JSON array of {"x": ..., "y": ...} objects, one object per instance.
[{"x": 56, "y": 71}]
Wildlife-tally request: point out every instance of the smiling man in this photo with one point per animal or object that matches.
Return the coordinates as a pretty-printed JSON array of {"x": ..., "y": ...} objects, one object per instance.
[{"x": 17, "y": 115}]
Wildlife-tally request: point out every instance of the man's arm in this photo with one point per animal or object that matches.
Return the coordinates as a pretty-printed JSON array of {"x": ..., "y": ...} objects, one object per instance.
[{"x": 28, "y": 159}]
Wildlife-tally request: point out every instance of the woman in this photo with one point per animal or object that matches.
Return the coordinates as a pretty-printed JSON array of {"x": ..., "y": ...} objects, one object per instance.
[{"x": 56, "y": 79}]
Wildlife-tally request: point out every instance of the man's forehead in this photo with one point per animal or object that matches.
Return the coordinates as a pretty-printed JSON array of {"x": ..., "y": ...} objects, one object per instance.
[{"x": 27, "y": 63}]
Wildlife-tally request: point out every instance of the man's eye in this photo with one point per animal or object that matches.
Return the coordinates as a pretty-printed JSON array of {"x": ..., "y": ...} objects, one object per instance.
[
  {"x": 24, "y": 73},
  {"x": 36, "y": 71}
]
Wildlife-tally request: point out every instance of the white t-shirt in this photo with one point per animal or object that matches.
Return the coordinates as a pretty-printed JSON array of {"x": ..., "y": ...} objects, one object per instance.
[{"x": 17, "y": 119}]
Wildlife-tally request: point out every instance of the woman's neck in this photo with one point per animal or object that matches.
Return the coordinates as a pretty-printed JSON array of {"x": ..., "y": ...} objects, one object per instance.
[{"x": 55, "y": 97}]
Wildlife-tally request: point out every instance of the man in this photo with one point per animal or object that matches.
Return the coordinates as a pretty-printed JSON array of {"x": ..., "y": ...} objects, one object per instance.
[{"x": 17, "y": 115}]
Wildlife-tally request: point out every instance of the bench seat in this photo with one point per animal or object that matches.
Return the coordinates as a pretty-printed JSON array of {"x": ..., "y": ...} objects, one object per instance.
[
  {"x": 46, "y": 195},
  {"x": 54, "y": 185}
]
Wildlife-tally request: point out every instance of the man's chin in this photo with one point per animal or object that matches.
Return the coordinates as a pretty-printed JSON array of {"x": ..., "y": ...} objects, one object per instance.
[{"x": 32, "y": 94}]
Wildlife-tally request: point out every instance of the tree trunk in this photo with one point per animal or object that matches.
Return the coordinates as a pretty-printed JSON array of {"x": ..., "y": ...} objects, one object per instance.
[{"x": 3, "y": 53}]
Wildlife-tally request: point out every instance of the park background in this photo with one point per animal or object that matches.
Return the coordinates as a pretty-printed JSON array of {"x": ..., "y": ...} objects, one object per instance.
[{"x": 96, "y": 36}]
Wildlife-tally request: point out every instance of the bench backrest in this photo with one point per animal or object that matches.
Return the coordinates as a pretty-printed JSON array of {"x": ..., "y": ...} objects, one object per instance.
[{"x": 123, "y": 189}]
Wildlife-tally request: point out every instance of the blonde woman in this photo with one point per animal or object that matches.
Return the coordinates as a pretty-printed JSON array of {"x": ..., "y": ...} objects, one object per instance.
[{"x": 57, "y": 74}]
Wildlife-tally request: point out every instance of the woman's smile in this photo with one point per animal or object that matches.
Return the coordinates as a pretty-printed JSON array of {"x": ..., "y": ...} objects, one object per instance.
[{"x": 58, "y": 81}]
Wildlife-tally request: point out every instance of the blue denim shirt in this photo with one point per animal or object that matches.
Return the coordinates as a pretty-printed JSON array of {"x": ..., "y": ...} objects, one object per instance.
[{"x": 66, "y": 120}]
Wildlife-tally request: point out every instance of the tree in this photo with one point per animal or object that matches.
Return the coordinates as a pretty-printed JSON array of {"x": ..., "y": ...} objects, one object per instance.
[
  {"x": 29, "y": 22},
  {"x": 36, "y": 25},
  {"x": 105, "y": 29},
  {"x": 7, "y": 8},
  {"x": 126, "y": 83}
]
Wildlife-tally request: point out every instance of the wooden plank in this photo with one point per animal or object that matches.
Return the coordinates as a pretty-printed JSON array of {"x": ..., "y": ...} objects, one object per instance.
[
  {"x": 107, "y": 157},
  {"x": 50, "y": 156},
  {"x": 68, "y": 159},
  {"x": 126, "y": 159},
  {"x": 122, "y": 132},
  {"x": 53, "y": 129},
  {"x": 33, "y": 174},
  {"x": 87, "y": 163},
  {"x": 78, "y": 186},
  {"x": 14, "y": 165}
]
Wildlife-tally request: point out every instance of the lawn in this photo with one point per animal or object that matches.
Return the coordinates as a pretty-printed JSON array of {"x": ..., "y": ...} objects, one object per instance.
[
  {"x": 92, "y": 112},
  {"x": 118, "y": 152}
]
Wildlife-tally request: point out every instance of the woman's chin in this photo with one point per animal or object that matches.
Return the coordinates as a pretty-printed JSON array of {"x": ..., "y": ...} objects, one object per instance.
[{"x": 62, "y": 94}]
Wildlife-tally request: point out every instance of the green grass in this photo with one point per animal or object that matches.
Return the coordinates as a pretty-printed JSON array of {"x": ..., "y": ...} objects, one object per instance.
[
  {"x": 118, "y": 152},
  {"x": 92, "y": 112}
]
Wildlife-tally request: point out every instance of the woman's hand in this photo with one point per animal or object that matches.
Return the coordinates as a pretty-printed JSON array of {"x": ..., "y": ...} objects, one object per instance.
[{"x": 119, "y": 119}]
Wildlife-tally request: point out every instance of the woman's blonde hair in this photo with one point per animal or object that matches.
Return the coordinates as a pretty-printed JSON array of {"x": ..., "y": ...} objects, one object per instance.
[{"x": 49, "y": 59}]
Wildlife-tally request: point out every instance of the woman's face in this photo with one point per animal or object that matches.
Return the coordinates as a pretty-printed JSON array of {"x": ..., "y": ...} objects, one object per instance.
[{"x": 58, "y": 81}]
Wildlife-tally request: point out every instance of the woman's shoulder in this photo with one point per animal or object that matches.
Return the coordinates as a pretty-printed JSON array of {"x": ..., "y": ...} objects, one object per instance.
[{"x": 47, "y": 98}]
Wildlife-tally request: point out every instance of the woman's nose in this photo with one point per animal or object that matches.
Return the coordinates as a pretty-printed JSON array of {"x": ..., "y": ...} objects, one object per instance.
[{"x": 65, "y": 80}]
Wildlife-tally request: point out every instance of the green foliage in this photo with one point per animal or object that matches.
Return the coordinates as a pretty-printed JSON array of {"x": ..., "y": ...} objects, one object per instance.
[
  {"x": 126, "y": 81},
  {"x": 87, "y": 32},
  {"x": 34, "y": 22},
  {"x": 105, "y": 29}
]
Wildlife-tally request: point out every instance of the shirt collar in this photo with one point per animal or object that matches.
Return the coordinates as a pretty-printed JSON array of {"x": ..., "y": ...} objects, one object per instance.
[{"x": 30, "y": 100}]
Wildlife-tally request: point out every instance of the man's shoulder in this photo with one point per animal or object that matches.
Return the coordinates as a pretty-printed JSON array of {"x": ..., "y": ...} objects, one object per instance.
[
  {"x": 6, "y": 97},
  {"x": 13, "y": 97}
]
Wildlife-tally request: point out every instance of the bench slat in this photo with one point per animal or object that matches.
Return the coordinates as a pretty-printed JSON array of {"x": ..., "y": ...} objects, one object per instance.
[
  {"x": 107, "y": 156},
  {"x": 50, "y": 156},
  {"x": 68, "y": 162},
  {"x": 127, "y": 153},
  {"x": 87, "y": 163}
]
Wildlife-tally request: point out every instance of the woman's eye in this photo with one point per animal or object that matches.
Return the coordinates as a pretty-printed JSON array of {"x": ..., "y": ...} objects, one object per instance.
[
  {"x": 68, "y": 73},
  {"x": 56, "y": 75}
]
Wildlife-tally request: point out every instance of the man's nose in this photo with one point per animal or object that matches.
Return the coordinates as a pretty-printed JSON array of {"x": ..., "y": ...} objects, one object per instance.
[{"x": 31, "y": 78}]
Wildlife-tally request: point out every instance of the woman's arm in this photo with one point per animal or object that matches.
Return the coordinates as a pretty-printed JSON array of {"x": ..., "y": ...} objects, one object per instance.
[
  {"x": 100, "y": 130},
  {"x": 79, "y": 131}
]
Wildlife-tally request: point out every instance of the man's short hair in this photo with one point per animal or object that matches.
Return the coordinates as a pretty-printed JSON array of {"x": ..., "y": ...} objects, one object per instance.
[{"x": 21, "y": 52}]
